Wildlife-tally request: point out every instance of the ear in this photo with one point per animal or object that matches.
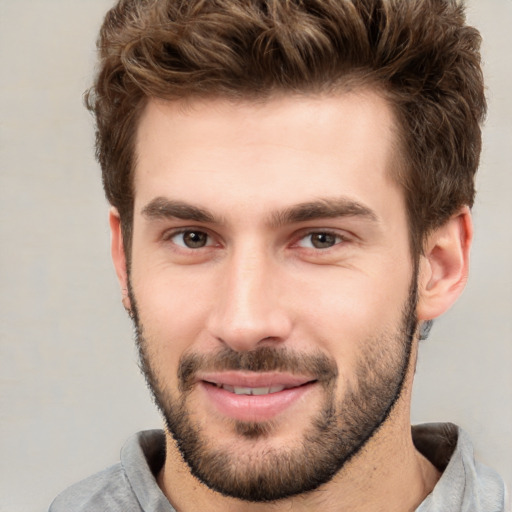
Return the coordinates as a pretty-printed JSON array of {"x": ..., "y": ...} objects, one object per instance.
[
  {"x": 444, "y": 266},
  {"x": 118, "y": 255}
]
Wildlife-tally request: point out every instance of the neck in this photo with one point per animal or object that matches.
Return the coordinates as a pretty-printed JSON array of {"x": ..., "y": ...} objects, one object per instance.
[{"x": 399, "y": 480}]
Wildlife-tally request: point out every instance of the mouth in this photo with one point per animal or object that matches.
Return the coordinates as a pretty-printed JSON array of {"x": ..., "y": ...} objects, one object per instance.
[
  {"x": 254, "y": 397},
  {"x": 237, "y": 390}
]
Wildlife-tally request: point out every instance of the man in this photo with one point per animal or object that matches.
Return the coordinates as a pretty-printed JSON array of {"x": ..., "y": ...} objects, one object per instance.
[{"x": 290, "y": 185}]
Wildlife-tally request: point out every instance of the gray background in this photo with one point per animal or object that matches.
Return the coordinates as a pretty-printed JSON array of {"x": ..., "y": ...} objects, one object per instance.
[{"x": 70, "y": 392}]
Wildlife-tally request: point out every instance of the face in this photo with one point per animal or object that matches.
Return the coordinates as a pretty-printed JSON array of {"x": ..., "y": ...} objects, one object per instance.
[{"x": 271, "y": 283}]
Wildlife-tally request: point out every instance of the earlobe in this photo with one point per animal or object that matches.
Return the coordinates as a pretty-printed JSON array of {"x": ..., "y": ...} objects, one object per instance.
[
  {"x": 444, "y": 266},
  {"x": 118, "y": 255}
]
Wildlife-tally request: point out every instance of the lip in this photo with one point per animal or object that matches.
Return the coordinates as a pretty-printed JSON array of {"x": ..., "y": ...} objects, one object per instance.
[
  {"x": 255, "y": 379},
  {"x": 254, "y": 408}
]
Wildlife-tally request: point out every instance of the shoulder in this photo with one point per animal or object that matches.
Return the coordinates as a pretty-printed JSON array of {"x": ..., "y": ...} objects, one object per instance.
[
  {"x": 465, "y": 484},
  {"x": 129, "y": 486},
  {"x": 108, "y": 490}
]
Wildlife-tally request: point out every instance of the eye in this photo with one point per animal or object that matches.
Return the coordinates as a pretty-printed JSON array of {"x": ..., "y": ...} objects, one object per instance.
[
  {"x": 320, "y": 240},
  {"x": 191, "y": 239}
]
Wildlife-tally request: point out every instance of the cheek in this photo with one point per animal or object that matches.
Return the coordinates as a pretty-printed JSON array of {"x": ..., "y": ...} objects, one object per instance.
[
  {"x": 172, "y": 307},
  {"x": 351, "y": 311}
]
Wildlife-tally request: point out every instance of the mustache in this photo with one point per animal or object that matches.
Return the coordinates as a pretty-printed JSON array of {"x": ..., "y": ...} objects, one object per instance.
[{"x": 263, "y": 359}]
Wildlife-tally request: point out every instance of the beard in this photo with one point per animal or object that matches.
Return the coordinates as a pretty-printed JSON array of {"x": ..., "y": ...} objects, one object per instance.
[{"x": 334, "y": 435}]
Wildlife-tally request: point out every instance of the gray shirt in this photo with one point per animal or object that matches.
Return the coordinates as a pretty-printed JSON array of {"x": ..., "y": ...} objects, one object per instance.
[{"x": 130, "y": 486}]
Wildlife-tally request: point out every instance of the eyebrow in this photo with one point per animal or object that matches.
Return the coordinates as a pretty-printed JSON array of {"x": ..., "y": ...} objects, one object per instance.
[
  {"x": 164, "y": 208},
  {"x": 323, "y": 209}
]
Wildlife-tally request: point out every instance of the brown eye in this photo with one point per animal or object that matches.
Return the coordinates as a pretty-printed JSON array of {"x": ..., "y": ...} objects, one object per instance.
[
  {"x": 320, "y": 240},
  {"x": 191, "y": 239}
]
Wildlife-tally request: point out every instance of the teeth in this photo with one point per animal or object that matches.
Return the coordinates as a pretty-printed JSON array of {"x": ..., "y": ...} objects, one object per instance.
[
  {"x": 260, "y": 391},
  {"x": 242, "y": 391},
  {"x": 251, "y": 391}
]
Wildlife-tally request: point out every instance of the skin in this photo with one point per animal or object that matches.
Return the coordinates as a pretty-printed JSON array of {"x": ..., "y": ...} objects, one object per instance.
[{"x": 260, "y": 282}]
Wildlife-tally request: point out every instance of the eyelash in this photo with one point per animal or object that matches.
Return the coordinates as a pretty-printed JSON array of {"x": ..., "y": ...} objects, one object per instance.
[
  {"x": 338, "y": 239},
  {"x": 168, "y": 236}
]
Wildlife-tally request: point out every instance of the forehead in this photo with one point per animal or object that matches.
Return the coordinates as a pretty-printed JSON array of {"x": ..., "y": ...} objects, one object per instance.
[{"x": 273, "y": 153}]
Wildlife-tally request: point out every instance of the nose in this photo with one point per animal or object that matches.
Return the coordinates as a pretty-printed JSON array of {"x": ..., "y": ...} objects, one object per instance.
[{"x": 250, "y": 309}]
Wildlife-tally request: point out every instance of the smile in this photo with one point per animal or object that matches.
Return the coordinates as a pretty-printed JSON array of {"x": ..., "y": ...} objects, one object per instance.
[
  {"x": 254, "y": 397},
  {"x": 251, "y": 391}
]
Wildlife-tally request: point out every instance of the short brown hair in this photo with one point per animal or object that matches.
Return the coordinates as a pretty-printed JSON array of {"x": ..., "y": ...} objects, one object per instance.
[{"x": 419, "y": 53}]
